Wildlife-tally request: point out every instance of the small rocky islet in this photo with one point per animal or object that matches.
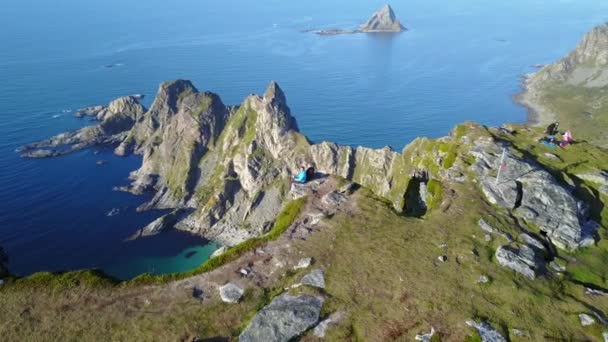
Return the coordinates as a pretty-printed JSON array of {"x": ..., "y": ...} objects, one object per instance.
[
  {"x": 484, "y": 234},
  {"x": 382, "y": 21}
]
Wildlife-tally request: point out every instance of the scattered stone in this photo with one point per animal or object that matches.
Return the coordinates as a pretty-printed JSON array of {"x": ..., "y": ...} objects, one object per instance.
[
  {"x": 483, "y": 279},
  {"x": 244, "y": 271},
  {"x": 303, "y": 263},
  {"x": 198, "y": 293},
  {"x": 426, "y": 337},
  {"x": 522, "y": 260},
  {"x": 550, "y": 156},
  {"x": 316, "y": 278},
  {"x": 487, "y": 238},
  {"x": 442, "y": 258},
  {"x": 334, "y": 199},
  {"x": 316, "y": 217},
  {"x": 486, "y": 227},
  {"x": 599, "y": 177},
  {"x": 443, "y": 246},
  {"x": 586, "y": 320},
  {"x": 348, "y": 189},
  {"x": 321, "y": 328},
  {"x": 594, "y": 292},
  {"x": 520, "y": 333},
  {"x": 557, "y": 267},
  {"x": 283, "y": 319},
  {"x": 532, "y": 242},
  {"x": 231, "y": 293},
  {"x": 486, "y": 332},
  {"x": 605, "y": 336}
]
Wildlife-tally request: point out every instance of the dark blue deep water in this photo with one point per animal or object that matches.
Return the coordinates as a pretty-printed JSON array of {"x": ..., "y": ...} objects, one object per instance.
[{"x": 461, "y": 60}]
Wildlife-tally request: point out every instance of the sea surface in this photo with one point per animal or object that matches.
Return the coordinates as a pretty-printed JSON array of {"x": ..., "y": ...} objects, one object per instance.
[{"x": 460, "y": 60}]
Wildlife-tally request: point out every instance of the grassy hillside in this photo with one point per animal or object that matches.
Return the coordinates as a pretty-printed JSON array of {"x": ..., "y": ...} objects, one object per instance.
[{"x": 382, "y": 270}]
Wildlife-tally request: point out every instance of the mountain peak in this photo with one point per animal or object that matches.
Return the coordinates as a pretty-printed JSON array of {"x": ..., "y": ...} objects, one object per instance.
[{"x": 384, "y": 20}]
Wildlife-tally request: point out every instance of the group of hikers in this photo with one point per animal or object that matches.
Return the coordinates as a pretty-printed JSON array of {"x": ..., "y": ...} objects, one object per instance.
[
  {"x": 305, "y": 174},
  {"x": 550, "y": 140}
]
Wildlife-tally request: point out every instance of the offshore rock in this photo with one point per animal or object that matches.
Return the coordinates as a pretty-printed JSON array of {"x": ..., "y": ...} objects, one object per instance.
[
  {"x": 284, "y": 318},
  {"x": 116, "y": 120},
  {"x": 384, "y": 20}
]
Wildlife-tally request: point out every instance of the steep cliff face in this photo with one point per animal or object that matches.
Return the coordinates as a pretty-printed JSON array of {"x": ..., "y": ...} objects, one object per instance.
[
  {"x": 173, "y": 136},
  {"x": 384, "y": 20},
  {"x": 584, "y": 66},
  {"x": 226, "y": 171},
  {"x": 574, "y": 90}
]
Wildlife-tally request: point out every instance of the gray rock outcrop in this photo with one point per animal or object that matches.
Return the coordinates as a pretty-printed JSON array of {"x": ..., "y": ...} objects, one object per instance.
[
  {"x": 231, "y": 293},
  {"x": 384, "y": 20},
  {"x": 316, "y": 278},
  {"x": 523, "y": 260},
  {"x": 285, "y": 318},
  {"x": 530, "y": 193},
  {"x": 486, "y": 331}
]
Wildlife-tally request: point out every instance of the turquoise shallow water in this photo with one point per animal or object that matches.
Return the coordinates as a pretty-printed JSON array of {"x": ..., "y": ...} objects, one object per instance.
[
  {"x": 186, "y": 259},
  {"x": 460, "y": 60}
]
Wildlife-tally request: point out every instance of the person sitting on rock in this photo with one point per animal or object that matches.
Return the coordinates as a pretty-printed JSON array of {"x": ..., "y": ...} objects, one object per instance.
[
  {"x": 567, "y": 139},
  {"x": 301, "y": 177},
  {"x": 310, "y": 172},
  {"x": 552, "y": 128}
]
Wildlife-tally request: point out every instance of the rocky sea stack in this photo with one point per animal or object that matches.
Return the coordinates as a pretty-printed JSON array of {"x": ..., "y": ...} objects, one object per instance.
[{"x": 384, "y": 20}]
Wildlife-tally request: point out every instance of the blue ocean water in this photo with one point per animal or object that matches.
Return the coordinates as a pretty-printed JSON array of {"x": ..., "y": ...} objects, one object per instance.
[{"x": 460, "y": 60}]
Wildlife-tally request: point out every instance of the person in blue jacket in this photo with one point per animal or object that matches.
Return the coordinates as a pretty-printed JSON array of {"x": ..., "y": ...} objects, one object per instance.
[{"x": 301, "y": 177}]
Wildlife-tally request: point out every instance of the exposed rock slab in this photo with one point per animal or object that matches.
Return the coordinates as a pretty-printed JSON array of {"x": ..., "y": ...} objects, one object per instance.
[
  {"x": 231, "y": 293},
  {"x": 286, "y": 317},
  {"x": 523, "y": 260},
  {"x": 486, "y": 332},
  {"x": 316, "y": 278},
  {"x": 531, "y": 193}
]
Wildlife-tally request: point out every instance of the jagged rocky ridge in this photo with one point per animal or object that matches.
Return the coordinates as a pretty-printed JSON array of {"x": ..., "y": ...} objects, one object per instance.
[{"x": 225, "y": 170}]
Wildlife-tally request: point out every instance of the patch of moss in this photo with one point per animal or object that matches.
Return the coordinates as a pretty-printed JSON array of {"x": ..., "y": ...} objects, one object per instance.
[{"x": 435, "y": 190}]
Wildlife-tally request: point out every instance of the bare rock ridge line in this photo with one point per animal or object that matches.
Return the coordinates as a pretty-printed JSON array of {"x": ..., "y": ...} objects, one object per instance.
[
  {"x": 382, "y": 21},
  {"x": 224, "y": 171}
]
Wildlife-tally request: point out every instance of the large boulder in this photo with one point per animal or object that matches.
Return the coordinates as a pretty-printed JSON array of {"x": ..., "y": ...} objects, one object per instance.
[
  {"x": 231, "y": 293},
  {"x": 285, "y": 318}
]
